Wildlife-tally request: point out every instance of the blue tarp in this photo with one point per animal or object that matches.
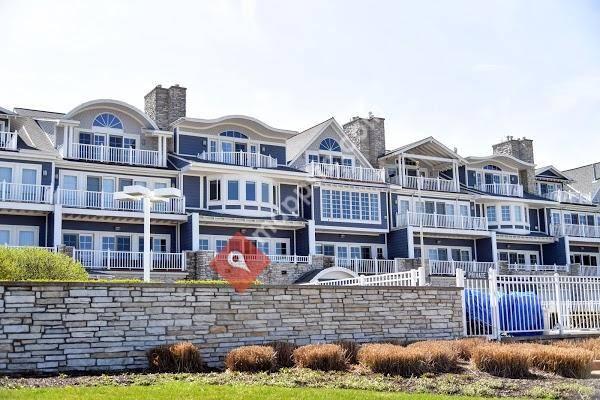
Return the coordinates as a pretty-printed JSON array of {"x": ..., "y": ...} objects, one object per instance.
[{"x": 518, "y": 311}]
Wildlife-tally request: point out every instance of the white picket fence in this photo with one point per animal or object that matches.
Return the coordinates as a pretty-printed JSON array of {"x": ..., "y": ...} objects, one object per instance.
[
  {"x": 414, "y": 277},
  {"x": 512, "y": 305}
]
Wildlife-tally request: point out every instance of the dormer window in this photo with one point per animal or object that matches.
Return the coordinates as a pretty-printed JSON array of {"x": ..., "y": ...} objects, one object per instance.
[
  {"x": 107, "y": 120},
  {"x": 330, "y": 152},
  {"x": 233, "y": 134},
  {"x": 330, "y": 144}
]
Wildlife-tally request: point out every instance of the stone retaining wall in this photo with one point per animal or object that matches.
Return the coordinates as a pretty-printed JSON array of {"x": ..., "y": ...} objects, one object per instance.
[{"x": 53, "y": 327}]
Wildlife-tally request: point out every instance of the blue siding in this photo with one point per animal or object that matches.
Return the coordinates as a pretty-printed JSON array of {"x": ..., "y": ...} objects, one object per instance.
[
  {"x": 485, "y": 253},
  {"x": 583, "y": 249},
  {"x": 394, "y": 207},
  {"x": 302, "y": 242},
  {"x": 398, "y": 244},
  {"x": 533, "y": 214},
  {"x": 350, "y": 238},
  {"x": 542, "y": 215},
  {"x": 185, "y": 234},
  {"x": 306, "y": 203},
  {"x": 26, "y": 220},
  {"x": 191, "y": 191},
  {"x": 471, "y": 178},
  {"x": 554, "y": 253},
  {"x": 191, "y": 145},
  {"x": 249, "y": 232},
  {"x": 462, "y": 175},
  {"x": 430, "y": 241},
  {"x": 382, "y": 209},
  {"x": 288, "y": 195},
  {"x": 277, "y": 152}
]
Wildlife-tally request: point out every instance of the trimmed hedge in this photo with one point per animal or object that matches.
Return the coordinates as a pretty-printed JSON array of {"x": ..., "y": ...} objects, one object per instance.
[{"x": 31, "y": 263}]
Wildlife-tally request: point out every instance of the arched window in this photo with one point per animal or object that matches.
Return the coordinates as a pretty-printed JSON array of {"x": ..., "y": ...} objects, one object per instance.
[
  {"x": 233, "y": 134},
  {"x": 492, "y": 167},
  {"x": 329, "y": 144},
  {"x": 107, "y": 120}
]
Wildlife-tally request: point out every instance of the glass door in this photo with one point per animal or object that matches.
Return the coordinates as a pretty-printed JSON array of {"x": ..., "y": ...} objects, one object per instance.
[
  {"x": 93, "y": 192},
  {"x": 108, "y": 190},
  {"x": 4, "y": 237},
  {"x": 5, "y": 183},
  {"x": 69, "y": 194},
  {"x": 29, "y": 189}
]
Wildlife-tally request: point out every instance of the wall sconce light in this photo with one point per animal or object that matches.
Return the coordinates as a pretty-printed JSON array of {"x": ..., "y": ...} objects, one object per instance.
[
  {"x": 508, "y": 246},
  {"x": 117, "y": 228},
  {"x": 438, "y": 241},
  {"x": 342, "y": 236}
]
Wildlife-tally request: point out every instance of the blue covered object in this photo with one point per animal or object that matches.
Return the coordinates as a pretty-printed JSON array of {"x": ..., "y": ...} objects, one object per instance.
[{"x": 518, "y": 311}]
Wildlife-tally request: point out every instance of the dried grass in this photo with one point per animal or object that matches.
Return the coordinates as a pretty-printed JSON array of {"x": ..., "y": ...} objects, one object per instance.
[
  {"x": 506, "y": 361},
  {"x": 283, "y": 353},
  {"x": 323, "y": 357},
  {"x": 178, "y": 357},
  {"x": 440, "y": 355},
  {"x": 350, "y": 348},
  {"x": 567, "y": 362},
  {"x": 464, "y": 347},
  {"x": 391, "y": 359},
  {"x": 251, "y": 359}
]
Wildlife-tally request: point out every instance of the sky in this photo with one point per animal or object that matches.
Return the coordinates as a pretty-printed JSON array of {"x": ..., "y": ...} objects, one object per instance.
[{"x": 466, "y": 72}]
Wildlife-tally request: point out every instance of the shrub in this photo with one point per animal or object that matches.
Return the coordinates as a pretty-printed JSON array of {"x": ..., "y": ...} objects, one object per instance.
[
  {"x": 283, "y": 353},
  {"x": 592, "y": 344},
  {"x": 324, "y": 357},
  {"x": 31, "y": 263},
  {"x": 251, "y": 359},
  {"x": 391, "y": 359},
  {"x": 464, "y": 347},
  {"x": 178, "y": 357},
  {"x": 567, "y": 362},
  {"x": 507, "y": 361},
  {"x": 440, "y": 355},
  {"x": 350, "y": 348}
]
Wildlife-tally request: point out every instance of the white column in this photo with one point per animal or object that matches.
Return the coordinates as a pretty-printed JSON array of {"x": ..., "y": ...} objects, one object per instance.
[
  {"x": 401, "y": 182},
  {"x": 160, "y": 152},
  {"x": 411, "y": 242},
  {"x": 57, "y": 225},
  {"x": 455, "y": 175},
  {"x": 195, "y": 221},
  {"x": 146, "y": 202},
  {"x": 494, "y": 247},
  {"x": 312, "y": 245},
  {"x": 68, "y": 140}
]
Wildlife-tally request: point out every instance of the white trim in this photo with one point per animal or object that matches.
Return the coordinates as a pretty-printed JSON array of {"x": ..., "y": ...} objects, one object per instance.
[
  {"x": 210, "y": 123},
  {"x": 272, "y": 242},
  {"x": 134, "y": 237},
  {"x": 15, "y": 230},
  {"x": 331, "y": 271},
  {"x": 106, "y": 103}
]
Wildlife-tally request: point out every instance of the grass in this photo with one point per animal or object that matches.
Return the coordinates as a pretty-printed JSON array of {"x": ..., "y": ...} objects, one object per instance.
[{"x": 187, "y": 390}]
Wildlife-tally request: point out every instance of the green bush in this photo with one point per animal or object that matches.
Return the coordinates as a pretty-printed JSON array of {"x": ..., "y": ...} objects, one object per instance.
[{"x": 31, "y": 263}]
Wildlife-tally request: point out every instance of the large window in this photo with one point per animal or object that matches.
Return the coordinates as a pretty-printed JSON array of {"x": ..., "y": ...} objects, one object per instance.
[
  {"x": 233, "y": 190},
  {"x": 344, "y": 205},
  {"x": 107, "y": 120},
  {"x": 250, "y": 191},
  {"x": 215, "y": 190},
  {"x": 491, "y": 213},
  {"x": 505, "y": 213}
]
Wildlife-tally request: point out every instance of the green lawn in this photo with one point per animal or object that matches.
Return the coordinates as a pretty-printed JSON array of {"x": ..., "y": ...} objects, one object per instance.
[{"x": 186, "y": 390}]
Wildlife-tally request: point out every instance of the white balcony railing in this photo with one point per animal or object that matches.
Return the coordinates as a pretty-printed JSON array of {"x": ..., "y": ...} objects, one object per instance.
[
  {"x": 563, "y": 196},
  {"x": 346, "y": 172},
  {"x": 240, "y": 158},
  {"x": 367, "y": 266},
  {"x": 437, "y": 267},
  {"x": 432, "y": 184},
  {"x": 501, "y": 189},
  {"x": 590, "y": 231},
  {"x": 589, "y": 270},
  {"x": 128, "y": 260},
  {"x": 442, "y": 221},
  {"x": 117, "y": 155},
  {"x": 106, "y": 201},
  {"x": 538, "y": 268},
  {"x": 22, "y": 193},
  {"x": 271, "y": 258},
  {"x": 8, "y": 140}
]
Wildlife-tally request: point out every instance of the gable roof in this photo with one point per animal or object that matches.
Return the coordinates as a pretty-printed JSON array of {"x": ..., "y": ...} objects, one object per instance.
[
  {"x": 432, "y": 144},
  {"x": 551, "y": 171},
  {"x": 251, "y": 122},
  {"x": 5, "y": 111},
  {"x": 585, "y": 179},
  {"x": 498, "y": 158},
  {"x": 28, "y": 112},
  {"x": 298, "y": 144}
]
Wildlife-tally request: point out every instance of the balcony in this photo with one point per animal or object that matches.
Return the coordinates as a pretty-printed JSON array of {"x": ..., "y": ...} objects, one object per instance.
[
  {"x": 538, "y": 268},
  {"x": 448, "y": 268},
  {"x": 501, "y": 189},
  {"x": 116, "y": 155},
  {"x": 367, "y": 266},
  {"x": 129, "y": 260},
  {"x": 8, "y": 140},
  {"x": 270, "y": 258},
  {"x": 563, "y": 196},
  {"x": 587, "y": 231},
  {"x": 346, "y": 172},
  {"x": 22, "y": 193},
  {"x": 106, "y": 201},
  {"x": 241, "y": 158},
  {"x": 442, "y": 221},
  {"x": 423, "y": 183}
]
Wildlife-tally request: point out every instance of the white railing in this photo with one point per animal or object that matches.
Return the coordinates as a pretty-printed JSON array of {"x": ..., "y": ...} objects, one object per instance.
[
  {"x": 407, "y": 278},
  {"x": 563, "y": 196},
  {"x": 538, "y": 268},
  {"x": 240, "y": 158},
  {"x": 448, "y": 268},
  {"x": 502, "y": 189},
  {"x": 505, "y": 305},
  {"x": 8, "y": 140},
  {"x": 271, "y": 258},
  {"x": 433, "y": 184},
  {"x": 117, "y": 155},
  {"x": 19, "y": 192},
  {"x": 367, "y": 266},
  {"x": 130, "y": 260},
  {"x": 106, "y": 201},
  {"x": 590, "y": 231},
  {"x": 346, "y": 172},
  {"x": 51, "y": 249},
  {"x": 589, "y": 270},
  {"x": 441, "y": 221}
]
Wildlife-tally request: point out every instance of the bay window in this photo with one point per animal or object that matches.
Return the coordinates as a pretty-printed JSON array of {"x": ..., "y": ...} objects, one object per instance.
[{"x": 350, "y": 206}]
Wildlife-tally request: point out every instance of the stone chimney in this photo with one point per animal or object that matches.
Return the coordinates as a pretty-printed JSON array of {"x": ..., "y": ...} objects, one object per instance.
[
  {"x": 523, "y": 150},
  {"x": 368, "y": 134},
  {"x": 165, "y": 105}
]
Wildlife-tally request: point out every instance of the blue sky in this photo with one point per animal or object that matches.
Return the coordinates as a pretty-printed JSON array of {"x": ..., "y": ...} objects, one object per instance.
[{"x": 466, "y": 72}]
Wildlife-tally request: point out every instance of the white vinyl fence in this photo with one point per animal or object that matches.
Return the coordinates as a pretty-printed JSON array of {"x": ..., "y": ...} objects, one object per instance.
[
  {"x": 413, "y": 277},
  {"x": 528, "y": 305}
]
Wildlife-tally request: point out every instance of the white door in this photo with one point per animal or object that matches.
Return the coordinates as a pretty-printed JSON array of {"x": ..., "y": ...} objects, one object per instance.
[
  {"x": 108, "y": 188},
  {"x": 29, "y": 190},
  {"x": 69, "y": 194}
]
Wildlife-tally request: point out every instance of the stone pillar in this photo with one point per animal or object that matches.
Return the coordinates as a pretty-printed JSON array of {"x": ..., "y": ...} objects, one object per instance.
[
  {"x": 318, "y": 261},
  {"x": 198, "y": 265},
  {"x": 66, "y": 250},
  {"x": 165, "y": 106}
]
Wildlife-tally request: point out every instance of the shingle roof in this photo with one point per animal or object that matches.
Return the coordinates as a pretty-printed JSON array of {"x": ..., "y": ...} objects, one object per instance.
[
  {"x": 27, "y": 112},
  {"x": 297, "y": 143},
  {"x": 586, "y": 179}
]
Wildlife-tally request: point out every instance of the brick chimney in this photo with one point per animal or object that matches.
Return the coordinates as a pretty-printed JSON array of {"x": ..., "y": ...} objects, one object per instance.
[
  {"x": 165, "y": 105},
  {"x": 523, "y": 150},
  {"x": 368, "y": 134}
]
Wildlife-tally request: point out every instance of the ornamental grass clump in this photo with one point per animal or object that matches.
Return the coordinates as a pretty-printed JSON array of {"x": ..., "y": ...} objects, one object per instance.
[
  {"x": 506, "y": 361},
  {"x": 440, "y": 355},
  {"x": 283, "y": 353},
  {"x": 350, "y": 348},
  {"x": 464, "y": 347},
  {"x": 251, "y": 359},
  {"x": 322, "y": 357},
  {"x": 389, "y": 359},
  {"x": 178, "y": 357},
  {"x": 563, "y": 361}
]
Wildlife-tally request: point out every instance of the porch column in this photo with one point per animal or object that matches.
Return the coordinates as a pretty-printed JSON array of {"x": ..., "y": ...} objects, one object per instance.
[
  {"x": 57, "y": 235},
  {"x": 68, "y": 140},
  {"x": 401, "y": 163},
  {"x": 195, "y": 221},
  {"x": 312, "y": 243},
  {"x": 494, "y": 247},
  {"x": 161, "y": 151},
  {"x": 455, "y": 175}
]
